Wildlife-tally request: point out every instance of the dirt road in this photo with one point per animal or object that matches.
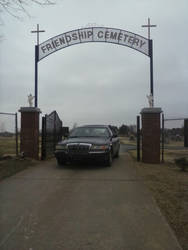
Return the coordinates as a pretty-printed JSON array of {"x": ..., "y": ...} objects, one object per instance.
[{"x": 81, "y": 208}]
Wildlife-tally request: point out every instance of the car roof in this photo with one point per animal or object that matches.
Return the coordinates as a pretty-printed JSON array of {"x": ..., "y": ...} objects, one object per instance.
[{"x": 101, "y": 126}]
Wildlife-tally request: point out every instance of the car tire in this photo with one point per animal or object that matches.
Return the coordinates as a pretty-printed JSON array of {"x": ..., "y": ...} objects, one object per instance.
[
  {"x": 108, "y": 161},
  {"x": 117, "y": 154},
  {"x": 61, "y": 162}
]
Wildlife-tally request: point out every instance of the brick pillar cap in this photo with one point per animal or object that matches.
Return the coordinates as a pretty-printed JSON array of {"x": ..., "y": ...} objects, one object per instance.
[
  {"x": 29, "y": 110},
  {"x": 151, "y": 110}
]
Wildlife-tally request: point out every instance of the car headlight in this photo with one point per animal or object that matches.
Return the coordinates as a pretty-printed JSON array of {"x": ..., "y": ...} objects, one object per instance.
[
  {"x": 99, "y": 147},
  {"x": 61, "y": 146}
]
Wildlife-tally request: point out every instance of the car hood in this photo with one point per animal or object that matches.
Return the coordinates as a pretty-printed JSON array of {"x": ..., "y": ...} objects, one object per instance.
[{"x": 91, "y": 140}]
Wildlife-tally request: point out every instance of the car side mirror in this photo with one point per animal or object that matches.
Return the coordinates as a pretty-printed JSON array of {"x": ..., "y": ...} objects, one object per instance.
[{"x": 66, "y": 135}]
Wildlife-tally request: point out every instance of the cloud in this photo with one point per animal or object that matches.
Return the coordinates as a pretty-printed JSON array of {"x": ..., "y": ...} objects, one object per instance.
[{"x": 97, "y": 82}]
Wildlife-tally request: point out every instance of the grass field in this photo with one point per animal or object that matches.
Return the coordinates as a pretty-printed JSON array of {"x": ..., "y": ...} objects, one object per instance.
[
  {"x": 169, "y": 187},
  {"x": 125, "y": 140},
  {"x": 175, "y": 143},
  {"x": 173, "y": 150},
  {"x": 9, "y": 163},
  {"x": 169, "y": 155},
  {"x": 7, "y": 146}
]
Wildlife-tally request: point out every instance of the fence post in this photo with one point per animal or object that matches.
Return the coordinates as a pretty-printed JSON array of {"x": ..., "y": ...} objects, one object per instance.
[
  {"x": 16, "y": 132},
  {"x": 43, "y": 142},
  {"x": 55, "y": 135},
  {"x": 162, "y": 137},
  {"x": 138, "y": 138},
  {"x": 185, "y": 133}
]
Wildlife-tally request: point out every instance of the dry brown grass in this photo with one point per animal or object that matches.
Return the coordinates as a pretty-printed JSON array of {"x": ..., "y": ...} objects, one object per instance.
[
  {"x": 171, "y": 155},
  {"x": 169, "y": 187},
  {"x": 9, "y": 163},
  {"x": 7, "y": 145},
  {"x": 12, "y": 165},
  {"x": 126, "y": 140}
]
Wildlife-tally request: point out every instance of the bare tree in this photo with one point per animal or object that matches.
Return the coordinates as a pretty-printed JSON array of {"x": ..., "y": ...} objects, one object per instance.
[
  {"x": 18, "y": 8},
  {"x": 74, "y": 125}
]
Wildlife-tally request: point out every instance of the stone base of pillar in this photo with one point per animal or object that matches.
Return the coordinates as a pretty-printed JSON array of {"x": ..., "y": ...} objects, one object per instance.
[
  {"x": 29, "y": 135},
  {"x": 151, "y": 135}
]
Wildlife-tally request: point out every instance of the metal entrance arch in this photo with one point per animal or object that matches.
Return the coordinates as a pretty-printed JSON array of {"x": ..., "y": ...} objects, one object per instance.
[{"x": 94, "y": 34}]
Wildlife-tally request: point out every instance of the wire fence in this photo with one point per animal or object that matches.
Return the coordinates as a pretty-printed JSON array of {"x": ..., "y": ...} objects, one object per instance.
[
  {"x": 9, "y": 138},
  {"x": 174, "y": 138}
]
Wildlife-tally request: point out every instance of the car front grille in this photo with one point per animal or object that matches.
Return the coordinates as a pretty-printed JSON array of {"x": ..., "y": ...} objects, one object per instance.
[{"x": 78, "y": 148}]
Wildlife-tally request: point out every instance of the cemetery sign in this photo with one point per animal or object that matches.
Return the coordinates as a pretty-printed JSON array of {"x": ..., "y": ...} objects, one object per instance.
[{"x": 94, "y": 34}]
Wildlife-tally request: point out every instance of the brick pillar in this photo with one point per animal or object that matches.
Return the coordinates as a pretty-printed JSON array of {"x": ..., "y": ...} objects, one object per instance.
[
  {"x": 151, "y": 135},
  {"x": 29, "y": 136}
]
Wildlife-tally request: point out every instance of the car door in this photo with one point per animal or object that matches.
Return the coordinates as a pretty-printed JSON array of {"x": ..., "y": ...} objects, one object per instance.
[{"x": 115, "y": 141}]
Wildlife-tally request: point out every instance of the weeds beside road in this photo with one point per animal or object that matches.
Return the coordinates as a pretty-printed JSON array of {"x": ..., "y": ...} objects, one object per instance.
[
  {"x": 7, "y": 145},
  {"x": 12, "y": 165},
  {"x": 169, "y": 187}
]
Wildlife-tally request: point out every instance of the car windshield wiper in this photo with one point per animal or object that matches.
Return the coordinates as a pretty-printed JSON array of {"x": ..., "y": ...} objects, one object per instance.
[
  {"x": 87, "y": 136},
  {"x": 92, "y": 136},
  {"x": 76, "y": 136}
]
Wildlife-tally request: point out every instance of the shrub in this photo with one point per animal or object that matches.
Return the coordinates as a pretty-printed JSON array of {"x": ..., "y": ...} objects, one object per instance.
[
  {"x": 182, "y": 163},
  {"x": 131, "y": 138}
]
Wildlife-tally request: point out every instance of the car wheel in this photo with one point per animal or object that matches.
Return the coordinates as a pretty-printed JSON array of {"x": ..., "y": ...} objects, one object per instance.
[
  {"x": 108, "y": 161},
  {"x": 61, "y": 161},
  {"x": 117, "y": 154}
]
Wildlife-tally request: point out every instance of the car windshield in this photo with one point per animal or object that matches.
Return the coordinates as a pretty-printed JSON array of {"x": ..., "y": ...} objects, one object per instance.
[{"x": 90, "y": 132}]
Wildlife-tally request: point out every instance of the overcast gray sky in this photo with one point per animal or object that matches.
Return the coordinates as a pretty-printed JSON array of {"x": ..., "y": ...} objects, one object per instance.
[{"x": 97, "y": 82}]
